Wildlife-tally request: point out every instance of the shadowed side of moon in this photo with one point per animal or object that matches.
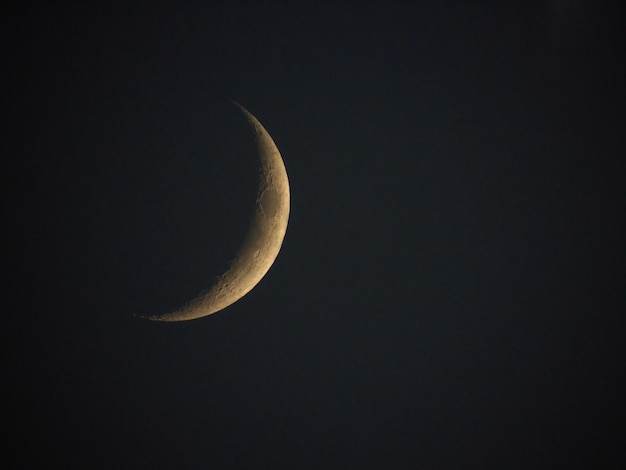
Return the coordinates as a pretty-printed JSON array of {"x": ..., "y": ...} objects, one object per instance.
[
  {"x": 147, "y": 203},
  {"x": 160, "y": 209}
]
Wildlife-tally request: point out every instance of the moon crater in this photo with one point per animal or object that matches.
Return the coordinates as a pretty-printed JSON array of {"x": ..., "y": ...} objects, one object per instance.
[{"x": 270, "y": 202}]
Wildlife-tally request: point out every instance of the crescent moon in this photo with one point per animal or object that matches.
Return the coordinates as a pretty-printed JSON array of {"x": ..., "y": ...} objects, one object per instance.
[{"x": 263, "y": 239}]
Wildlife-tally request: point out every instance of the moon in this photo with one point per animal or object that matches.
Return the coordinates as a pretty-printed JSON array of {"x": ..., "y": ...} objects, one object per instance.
[{"x": 262, "y": 242}]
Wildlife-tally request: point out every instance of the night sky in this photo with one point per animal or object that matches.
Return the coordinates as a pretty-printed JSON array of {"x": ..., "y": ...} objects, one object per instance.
[{"x": 451, "y": 288}]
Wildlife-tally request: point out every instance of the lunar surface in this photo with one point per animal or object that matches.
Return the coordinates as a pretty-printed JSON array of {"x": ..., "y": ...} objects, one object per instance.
[{"x": 262, "y": 242}]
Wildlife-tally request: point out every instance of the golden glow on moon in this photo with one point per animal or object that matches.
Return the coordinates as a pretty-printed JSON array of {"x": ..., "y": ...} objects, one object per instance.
[{"x": 263, "y": 240}]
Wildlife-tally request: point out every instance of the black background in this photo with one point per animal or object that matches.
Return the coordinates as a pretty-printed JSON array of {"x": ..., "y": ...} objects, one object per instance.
[{"x": 451, "y": 287}]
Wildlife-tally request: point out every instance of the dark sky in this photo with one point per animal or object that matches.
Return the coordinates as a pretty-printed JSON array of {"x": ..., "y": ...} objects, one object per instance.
[{"x": 451, "y": 288}]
